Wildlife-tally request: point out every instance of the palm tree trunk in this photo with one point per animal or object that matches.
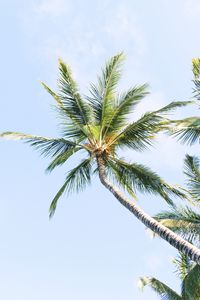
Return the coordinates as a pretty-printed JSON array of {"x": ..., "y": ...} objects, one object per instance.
[{"x": 168, "y": 235}]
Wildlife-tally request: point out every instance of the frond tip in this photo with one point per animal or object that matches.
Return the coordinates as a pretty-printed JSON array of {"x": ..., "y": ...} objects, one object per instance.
[
  {"x": 159, "y": 287},
  {"x": 76, "y": 180}
]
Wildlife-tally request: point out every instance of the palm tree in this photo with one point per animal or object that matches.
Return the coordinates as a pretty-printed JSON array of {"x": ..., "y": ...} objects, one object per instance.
[
  {"x": 99, "y": 126},
  {"x": 185, "y": 220},
  {"x": 188, "y": 272}
]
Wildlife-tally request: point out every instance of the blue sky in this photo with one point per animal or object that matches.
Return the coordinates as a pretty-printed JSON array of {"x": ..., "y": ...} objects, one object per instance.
[{"x": 92, "y": 248}]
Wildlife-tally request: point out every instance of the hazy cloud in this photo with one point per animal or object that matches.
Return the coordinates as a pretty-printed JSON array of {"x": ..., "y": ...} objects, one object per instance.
[
  {"x": 191, "y": 8},
  {"x": 52, "y": 7}
]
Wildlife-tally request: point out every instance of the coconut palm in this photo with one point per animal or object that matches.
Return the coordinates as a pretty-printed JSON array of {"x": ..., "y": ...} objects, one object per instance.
[
  {"x": 188, "y": 130},
  {"x": 189, "y": 274},
  {"x": 98, "y": 126},
  {"x": 185, "y": 220}
]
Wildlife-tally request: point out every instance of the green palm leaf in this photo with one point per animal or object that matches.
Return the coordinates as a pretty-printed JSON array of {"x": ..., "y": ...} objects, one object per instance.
[
  {"x": 53, "y": 94},
  {"x": 103, "y": 94},
  {"x": 115, "y": 175},
  {"x": 76, "y": 181},
  {"x": 196, "y": 67},
  {"x": 160, "y": 288},
  {"x": 182, "y": 220},
  {"x": 71, "y": 127},
  {"x": 191, "y": 284},
  {"x": 61, "y": 158},
  {"x": 70, "y": 104},
  {"x": 187, "y": 130},
  {"x": 70, "y": 96},
  {"x": 138, "y": 177},
  {"x": 192, "y": 170},
  {"x": 138, "y": 135},
  {"x": 172, "y": 106},
  {"x": 196, "y": 81},
  {"x": 47, "y": 146},
  {"x": 183, "y": 265},
  {"x": 125, "y": 105}
]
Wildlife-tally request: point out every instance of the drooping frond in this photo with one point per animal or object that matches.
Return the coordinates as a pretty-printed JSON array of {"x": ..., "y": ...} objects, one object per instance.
[
  {"x": 192, "y": 170},
  {"x": 103, "y": 94},
  {"x": 159, "y": 287},
  {"x": 141, "y": 178},
  {"x": 47, "y": 146},
  {"x": 191, "y": 284},
  {"x": 76, "y": 181},
  {"x": 114, "y": 174},
  {"x": 62, "y": 157},
  {"x": 182, "y": 220},
  {"x": 125, "y": 104}
]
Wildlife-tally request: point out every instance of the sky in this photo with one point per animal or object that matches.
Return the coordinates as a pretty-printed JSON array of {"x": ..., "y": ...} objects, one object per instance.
[{"x": 93, "y": 248}]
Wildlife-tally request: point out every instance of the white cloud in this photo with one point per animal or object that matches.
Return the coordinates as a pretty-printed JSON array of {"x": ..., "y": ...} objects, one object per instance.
[
  {"x": 51, "y": 7},
  {"x": 191, "y": 8},
  {"x": 123, "y": 29}
]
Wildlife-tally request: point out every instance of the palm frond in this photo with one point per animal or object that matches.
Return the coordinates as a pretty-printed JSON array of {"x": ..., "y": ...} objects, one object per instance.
[
  {"x": 114, "y": 174},
  {"x": 70, "y": 123},
  {"x": 182, "y": 220},
  {"x": 187, "y": 130},
  {"x": 183, "y": 265},
  {"x": 47, "y": 146},
  {"x": 125, "y": 105},
  {"x": 196, "y": 67},
  {"x": 159, "y": 287},
  {"x": 171, "y": 106},
  {"x": 103, "y": 94},
  {"x": 61, "y": 158},
  {"x": 76, "y": 181},
  {"x": 53, "y": 94},
  {"x": 196, "y": 90},
  {"x": 139, "y": 135},
  {"x": 70, "y": 96},
  {"x": 192, "y": 170},
  {"x": 196, "y": 81},
  {"x": 141, "y": 178},
  {"x": 191, "y": 284}
]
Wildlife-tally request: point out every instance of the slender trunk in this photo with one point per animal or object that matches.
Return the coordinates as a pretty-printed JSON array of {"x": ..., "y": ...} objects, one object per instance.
[{"x": 168, "y": 235}]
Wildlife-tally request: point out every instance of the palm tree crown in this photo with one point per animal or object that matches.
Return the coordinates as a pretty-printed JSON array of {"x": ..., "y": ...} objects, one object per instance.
[
  {"x": 100, "y": 124},
  {"x": 185, "y": 220}
]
